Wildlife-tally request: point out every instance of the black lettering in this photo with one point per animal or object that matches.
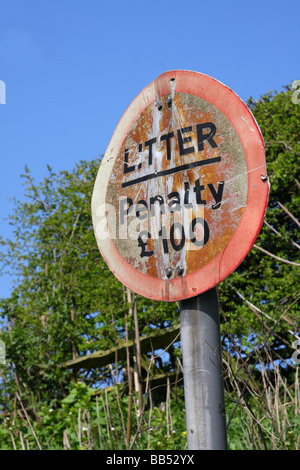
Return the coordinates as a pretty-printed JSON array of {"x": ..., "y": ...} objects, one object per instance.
[
  {"x": 155, "y": 199},
  {"x": 149, "y": 144},
  {"x": 198, "y": 188},
  {"x": 127, "y": 169},
  {"x": 185, "y": 140},
  {"x": 124, "y": 211},
  {"x": 167, "y": 138},
  {"x": 209, "y": 137},
  {"x": 140, "y": 207},
  {"x": 187, "y": 204},
  {"x": 180, "y": 245},
  {"x": 171, "y": 171},
  {"x": 174, "y": 203},
  {"x": 217, "y": 195},
  {"x": 143, "y": 245},
  {"x": 199, "y": 220}
]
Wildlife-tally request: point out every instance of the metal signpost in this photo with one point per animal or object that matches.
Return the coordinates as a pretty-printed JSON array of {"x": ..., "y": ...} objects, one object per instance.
[
  {"x": 202, "y": 370},
  {"x": 178, "y": 202}
]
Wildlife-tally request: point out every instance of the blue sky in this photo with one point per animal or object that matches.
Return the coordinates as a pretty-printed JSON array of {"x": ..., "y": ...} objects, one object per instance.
[{"x": 71, "y": 68}]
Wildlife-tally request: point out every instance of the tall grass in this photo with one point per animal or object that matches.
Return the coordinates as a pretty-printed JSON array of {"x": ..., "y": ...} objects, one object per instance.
[{"x": 267, "y": 417}]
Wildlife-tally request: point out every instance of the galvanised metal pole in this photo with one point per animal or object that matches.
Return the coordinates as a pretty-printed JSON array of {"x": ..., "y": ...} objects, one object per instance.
[{"x": 202, "y": 372}]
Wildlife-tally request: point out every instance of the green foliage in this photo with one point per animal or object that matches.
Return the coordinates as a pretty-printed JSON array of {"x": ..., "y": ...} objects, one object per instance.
[
  {"x": 93, "y": 419},
  {"x": 66, "y": 304},
  {"x": 96, "y": 419},
  {"x": 267, "y": 283}
]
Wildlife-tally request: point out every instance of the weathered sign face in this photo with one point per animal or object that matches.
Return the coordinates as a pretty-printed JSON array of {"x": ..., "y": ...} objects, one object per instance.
[{"x": 182, "y": 190}]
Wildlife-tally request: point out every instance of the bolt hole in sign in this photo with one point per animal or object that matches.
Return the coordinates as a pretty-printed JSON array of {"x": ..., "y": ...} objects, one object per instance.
[{"x": 182, "y": 189}]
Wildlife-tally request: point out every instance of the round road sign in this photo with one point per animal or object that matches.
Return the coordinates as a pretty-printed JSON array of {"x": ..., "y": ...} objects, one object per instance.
[{"x": 182, "y": 189}]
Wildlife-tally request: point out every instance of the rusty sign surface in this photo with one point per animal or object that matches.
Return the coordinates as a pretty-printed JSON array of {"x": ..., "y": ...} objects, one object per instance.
[{"x": 182, "y": 190}]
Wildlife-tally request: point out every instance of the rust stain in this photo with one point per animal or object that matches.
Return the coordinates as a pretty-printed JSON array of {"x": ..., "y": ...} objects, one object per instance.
[
  {"x": 183, "y": 186},
  {"x": 154, "y": 147}
]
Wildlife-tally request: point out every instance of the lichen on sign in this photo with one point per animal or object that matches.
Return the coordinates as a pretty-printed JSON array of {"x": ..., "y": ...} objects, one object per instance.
[
  {"x": 181, "y": 180},
  {"x": 179, "y": 199}
]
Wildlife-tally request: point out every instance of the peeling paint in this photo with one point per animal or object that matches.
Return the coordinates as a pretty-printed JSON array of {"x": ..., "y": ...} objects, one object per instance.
[
  {"x": 187, "y": 111},
  {"x": 175, "y": 147},
  {"x": 251, "y": 128}
]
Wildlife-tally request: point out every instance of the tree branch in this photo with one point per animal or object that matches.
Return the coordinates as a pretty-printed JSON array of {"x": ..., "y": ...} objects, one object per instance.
[
  {"x": 279, "y": 234},
  {"x": 288, "y": 213},
  {"x": 276, "y": 257}
]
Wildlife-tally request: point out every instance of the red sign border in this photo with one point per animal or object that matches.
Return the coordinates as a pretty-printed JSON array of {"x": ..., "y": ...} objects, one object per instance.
[{"x": 232, "y": 255}]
